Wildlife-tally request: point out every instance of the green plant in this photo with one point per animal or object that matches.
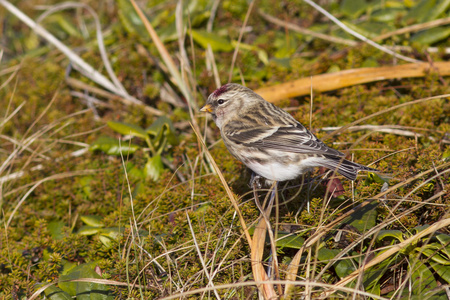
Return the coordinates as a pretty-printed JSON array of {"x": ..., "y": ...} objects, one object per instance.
[{"x": 157, "y": 137}]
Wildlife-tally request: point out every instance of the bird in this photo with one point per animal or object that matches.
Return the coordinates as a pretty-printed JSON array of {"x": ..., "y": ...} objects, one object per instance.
[{"x": 268, "y": 140}]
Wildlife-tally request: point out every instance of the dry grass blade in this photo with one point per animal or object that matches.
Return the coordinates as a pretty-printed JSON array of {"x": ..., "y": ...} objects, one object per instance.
[
  {"x": 305, "y": 31},
  {"x": 320, "y": 232},
  {"x": 200, "y": 256},
  {"x": 241, "y": 34},
  {"x": 395, "y": 248},
  {"x": 165, "y": 56},
  {"x": 101, "y": 45},
  {"x": 54, "y": 177},
  {"x": 414, "y": 28},
  {"x": 297, "y": 283},
  {"x": 77, "y": 61},
  {"x": 342, "y": 129},
  {"x": 359, "y": 36},
  {"x": 225, "y": 185},
  {"x": 257, "y": 249},
  {"x": 347, "y": 78}
]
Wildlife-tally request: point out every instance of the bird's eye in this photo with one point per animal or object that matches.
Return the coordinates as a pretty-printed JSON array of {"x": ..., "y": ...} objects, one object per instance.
[{"x": 221, "y": 101}]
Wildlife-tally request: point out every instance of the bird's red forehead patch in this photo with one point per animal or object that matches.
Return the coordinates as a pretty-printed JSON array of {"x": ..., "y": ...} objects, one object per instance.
[{"x": 220, "y": 90}]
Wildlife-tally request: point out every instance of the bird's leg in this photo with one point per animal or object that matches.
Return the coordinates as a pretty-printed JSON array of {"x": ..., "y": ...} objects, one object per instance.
[{"x": 255, "y": 181}]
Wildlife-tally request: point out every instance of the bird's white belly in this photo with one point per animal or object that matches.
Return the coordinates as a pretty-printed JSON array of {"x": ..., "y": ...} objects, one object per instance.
[{"x": 281, "y": 172}]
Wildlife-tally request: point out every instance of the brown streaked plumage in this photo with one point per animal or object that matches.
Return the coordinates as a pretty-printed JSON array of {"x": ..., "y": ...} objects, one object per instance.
[{"x": 269, "y": 140}]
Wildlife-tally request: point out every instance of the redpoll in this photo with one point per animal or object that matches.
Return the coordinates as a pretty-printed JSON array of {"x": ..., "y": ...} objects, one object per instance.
[{"x": 269, "y": 140}]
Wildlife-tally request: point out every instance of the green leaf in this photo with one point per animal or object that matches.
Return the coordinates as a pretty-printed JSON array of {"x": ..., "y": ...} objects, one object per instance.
[
  {"x": 217, "y": 43},
  {"x": 442, "y": 270},
  {"x": 421, "y": 278},
  {"x": 106, "y": 241},
  {"x": 163, "y": 125},
  {"x": 88, "y": 230},
  {"x": 372, "y": 276},
  {"x": 394, "y": 234},
  {"x": 288, "y": 240},
  {"x": 371, "y": 29},
  {"x": 446, "y": 155},
  {"x": 154, "y": 167},
  {"x": 418, "y": 229},
  {"x": 112, "y": 232},
  {"x": 387, "y": 14},
  {"x": 130, "y": 19},
  {"x": 343, "y": 267},
  {"x": 426, "y": 10},
  {"x": 91, "y": 220},
  {"x": 55, "y": 228},
  {"x": 444, "y": 239},
  {"x": 127, "y": 129},
  {"x": 55, "y": 293},
  {"x": 352, "y": 8},
  {"x": 431, "y": 36},
  {"x": 84, "y": 290},
  {"x": 364, "y": 218},
  {"x": 432, "y": 251},
  {"x": 113, "y": 146}
]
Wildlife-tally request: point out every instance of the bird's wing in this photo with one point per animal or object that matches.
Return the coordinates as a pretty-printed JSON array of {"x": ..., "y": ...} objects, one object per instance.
[{"x": 289, "y": 138}]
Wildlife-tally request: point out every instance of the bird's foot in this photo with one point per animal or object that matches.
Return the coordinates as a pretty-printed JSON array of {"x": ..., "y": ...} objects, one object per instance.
[{"x": 256, "y": 181}]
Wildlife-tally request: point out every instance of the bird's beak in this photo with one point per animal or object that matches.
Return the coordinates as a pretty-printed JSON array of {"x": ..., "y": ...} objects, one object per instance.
[{"x": 207, "y": 108}]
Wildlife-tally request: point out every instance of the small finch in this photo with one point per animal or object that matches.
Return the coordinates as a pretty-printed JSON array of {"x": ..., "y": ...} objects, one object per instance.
[{"x": 269, "y": 140}]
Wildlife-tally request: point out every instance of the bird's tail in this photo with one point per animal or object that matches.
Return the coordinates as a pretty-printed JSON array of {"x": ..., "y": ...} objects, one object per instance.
[{"x": 346, "y": 168}]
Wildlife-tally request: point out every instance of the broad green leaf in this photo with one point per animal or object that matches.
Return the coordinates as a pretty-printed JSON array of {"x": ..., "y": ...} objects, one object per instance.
[
  {"x": 387, "y": 14},
  {"x": 343, "y": 266},
  {"x": 105, "y": 240},
  {"x": 326, "y": 254},
  {"x": 88, "y": 230},
  {"x": 444, "y": 239},
  {"x": 372, "y": 276},
  {"x": 163, "y": 125},
  {"x": 432, "y": 251},
  {"x": 371, "y": 29},
  {"x": 426, "y": 10},
  {"x": 113, "y": 146},
  {"x": 431, "y": 36},
  {"x": 112, "y": 232},
  {"x": 217, "y": 43},
  {"x": 55, "y": 293},
  {"x": 91, "y": 220},
  {"x": 287, "y": 240},
  {"x": 394, "y": 234},
  {"x": 418, "y": 229},
  {"x": 154, "y": 167},
  {"x": 85, "y": 290},
  {"x": 364, "y": 218},
  {"x": 134, "y": 171},
  {"x": 421, "y": 278},
  {"x": 442, "y": 270},
  {"x": 127, "y": 129},
  {"x": 374, "y": 177},
  {"x": 55, "y": 228},
  {"x": 352, "y": 8}
]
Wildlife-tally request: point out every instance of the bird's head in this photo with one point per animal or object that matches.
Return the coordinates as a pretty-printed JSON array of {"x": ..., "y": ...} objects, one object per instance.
[{"x": 229, "y": 100}]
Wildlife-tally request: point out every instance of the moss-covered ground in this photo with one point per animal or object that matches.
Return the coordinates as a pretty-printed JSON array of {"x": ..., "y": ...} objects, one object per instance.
[{"x": 65, "y": 207}]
